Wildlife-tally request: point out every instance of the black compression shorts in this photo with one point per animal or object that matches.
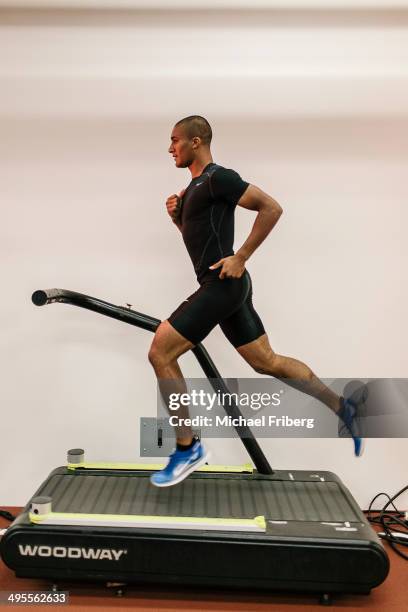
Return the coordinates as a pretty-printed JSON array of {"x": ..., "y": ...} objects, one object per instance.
[{"x": 227, "y": 303}]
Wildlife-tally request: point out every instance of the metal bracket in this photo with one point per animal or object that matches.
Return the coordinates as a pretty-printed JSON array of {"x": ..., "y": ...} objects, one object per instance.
[{"x": 156, "y": 439}]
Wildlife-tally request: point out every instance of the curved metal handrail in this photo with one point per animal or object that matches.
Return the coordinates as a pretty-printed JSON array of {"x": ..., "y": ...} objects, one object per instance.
[{"x": 126, "y": 314}]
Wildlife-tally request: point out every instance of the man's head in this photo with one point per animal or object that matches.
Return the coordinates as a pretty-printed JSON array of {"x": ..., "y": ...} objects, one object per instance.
[{"x": 190, "y": 139}]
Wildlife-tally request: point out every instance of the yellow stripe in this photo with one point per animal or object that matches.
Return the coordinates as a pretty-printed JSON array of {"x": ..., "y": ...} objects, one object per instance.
[
  {"x": 246, "y": 468},
  {"x": 119, "y": 518},
  {"x": 261, "y": 522}
]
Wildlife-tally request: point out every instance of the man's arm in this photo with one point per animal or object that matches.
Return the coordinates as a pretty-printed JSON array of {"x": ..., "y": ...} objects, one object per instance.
[
  {"x": 173, "y": 205},
  {"x": 177, "y": 224},
  {"x": 269, "y": 212}
]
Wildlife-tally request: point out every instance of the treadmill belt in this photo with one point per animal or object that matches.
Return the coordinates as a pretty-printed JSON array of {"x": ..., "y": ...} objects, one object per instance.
[{"x": 218, "y": 497}]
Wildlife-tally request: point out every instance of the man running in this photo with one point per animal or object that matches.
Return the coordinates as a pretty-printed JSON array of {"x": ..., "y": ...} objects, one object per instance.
[{"x": 204, "y": 214}]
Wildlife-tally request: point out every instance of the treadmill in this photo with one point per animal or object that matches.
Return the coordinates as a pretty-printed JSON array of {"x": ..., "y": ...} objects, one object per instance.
[{"x": 224, "y": 526}]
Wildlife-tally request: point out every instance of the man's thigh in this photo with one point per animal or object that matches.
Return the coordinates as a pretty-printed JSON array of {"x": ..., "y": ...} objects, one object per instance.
[
  {"x": 244, "y": 326},
  {"x": 168, "y": 341},
  {"x": 206, "y": 308},
  {"x": 257, "y": 353}
]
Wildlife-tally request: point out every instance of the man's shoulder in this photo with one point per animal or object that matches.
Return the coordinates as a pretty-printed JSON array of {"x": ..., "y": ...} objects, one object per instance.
[
  {"x": 226, "y": 183},
  {"x": 221, "y": 171}
]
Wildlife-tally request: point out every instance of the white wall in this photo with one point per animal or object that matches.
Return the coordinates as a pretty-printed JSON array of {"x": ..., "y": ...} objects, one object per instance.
[{"x": 309, "y": 105}]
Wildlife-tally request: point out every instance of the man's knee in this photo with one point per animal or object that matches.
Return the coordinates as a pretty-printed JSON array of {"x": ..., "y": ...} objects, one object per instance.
[{"x": 157, "y": 355}]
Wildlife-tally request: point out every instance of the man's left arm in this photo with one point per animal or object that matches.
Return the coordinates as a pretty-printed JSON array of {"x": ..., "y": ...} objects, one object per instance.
[
  {"x": 269, "y": 212},
  {"x": 268, "y": 215}
]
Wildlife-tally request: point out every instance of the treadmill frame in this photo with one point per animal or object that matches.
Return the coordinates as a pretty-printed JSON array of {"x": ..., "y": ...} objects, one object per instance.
[{"x": 318, "y": 556}]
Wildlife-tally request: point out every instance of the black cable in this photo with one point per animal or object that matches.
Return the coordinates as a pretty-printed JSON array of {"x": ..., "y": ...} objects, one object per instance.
[
  {"x": 7, "y": 515},
  {"x": 389, "y": 521},
  {"x": 377, "y": 519},
  {"x": 393, "y": 540}
]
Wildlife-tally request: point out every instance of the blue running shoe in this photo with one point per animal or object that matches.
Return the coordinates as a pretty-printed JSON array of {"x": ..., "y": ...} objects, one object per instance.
[
  {"x": 180, "y": 465},
  {"x": 349, "y": 426}
]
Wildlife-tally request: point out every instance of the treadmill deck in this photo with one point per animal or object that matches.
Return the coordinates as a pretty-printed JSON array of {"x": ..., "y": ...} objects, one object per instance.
[{"x": 210, "y": 496}]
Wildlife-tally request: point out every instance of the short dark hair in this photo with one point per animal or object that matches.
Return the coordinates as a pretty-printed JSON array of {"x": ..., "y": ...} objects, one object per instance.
[{"x": 197, "y": 126}]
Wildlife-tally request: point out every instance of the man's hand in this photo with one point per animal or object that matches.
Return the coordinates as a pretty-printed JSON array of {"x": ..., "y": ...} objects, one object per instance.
[
  {"x": 232, "y": 266},
  {"x": 173, "y": 205}
]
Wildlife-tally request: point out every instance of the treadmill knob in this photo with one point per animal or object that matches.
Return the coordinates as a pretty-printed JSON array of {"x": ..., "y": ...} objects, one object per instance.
[
  {"x": 41, "y": 505},
  {"x": 76, "y": 455}
]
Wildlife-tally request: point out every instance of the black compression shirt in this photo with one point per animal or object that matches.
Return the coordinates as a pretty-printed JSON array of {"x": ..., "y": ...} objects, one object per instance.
[{"x": 207, "y": 217}]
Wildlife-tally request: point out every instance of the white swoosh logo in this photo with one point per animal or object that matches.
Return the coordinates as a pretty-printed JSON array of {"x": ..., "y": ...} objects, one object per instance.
[{"x": 177, "y": 471}]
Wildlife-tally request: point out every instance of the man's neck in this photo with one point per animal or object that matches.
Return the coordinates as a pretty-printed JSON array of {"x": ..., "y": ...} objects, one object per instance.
[{"x": 198, "y": 165}]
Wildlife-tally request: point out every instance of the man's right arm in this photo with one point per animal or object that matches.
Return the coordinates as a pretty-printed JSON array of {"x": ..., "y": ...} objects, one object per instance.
[
  {"x": 177, "y": 223},
  {"x": 173, "y": 205}
]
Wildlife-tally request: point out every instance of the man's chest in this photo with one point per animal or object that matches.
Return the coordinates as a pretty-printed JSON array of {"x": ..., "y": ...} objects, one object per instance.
[{"x": 197, "y": 201}]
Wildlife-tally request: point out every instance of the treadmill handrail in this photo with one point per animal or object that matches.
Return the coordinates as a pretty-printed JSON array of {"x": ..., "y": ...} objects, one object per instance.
[{"x": 41, "y": 297}]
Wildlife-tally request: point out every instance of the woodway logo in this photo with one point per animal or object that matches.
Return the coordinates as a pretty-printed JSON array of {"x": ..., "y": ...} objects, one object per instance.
[{"x": 71, "y": 552}]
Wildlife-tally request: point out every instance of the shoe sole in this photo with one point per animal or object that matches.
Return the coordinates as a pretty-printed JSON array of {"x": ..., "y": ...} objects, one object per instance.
[{"x": 184, "y": 475}]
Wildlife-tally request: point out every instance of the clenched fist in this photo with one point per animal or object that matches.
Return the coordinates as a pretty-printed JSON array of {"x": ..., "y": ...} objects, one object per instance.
[{"x": 173, "y": 205}]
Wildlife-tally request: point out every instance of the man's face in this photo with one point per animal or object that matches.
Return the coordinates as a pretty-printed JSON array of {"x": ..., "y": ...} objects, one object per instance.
[{"x": 182, "y": 148}]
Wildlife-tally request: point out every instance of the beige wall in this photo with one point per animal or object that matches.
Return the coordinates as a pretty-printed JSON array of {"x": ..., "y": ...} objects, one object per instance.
[{"x": 310, "y": 106}]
